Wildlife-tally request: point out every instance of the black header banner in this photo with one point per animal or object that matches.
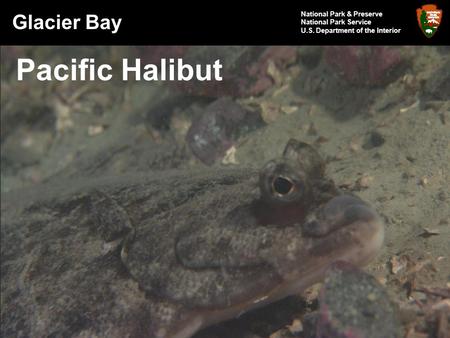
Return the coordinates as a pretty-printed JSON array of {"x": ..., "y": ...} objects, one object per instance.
[{"x": 296, "y": 23}]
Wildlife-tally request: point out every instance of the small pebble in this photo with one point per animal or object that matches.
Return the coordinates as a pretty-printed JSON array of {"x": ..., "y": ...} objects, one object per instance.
[
  {"x": 423, "y": 181},
  {"x": 230, "y": 156},
  {"x": 296, "y": 326},
  {"x": 363, "y": 182},
  {"x": 95, "y": 130},
  {"x": 289, "y": 109},
  {"x": 269, "y": 111}
]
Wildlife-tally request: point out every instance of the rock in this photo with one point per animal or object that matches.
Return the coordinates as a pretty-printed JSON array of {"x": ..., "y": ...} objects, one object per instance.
[
  {"x": 368, "y": 66},
  {"x": 354, "y": 305},
  {"x": 214, "y": 132},
  {"x": 375, "y": 139},
  {"x": 348, "y": 78}
]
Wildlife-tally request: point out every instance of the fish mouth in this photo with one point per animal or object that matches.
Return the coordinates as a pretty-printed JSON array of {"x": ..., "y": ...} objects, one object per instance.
[{"x": 356, "y": 243}]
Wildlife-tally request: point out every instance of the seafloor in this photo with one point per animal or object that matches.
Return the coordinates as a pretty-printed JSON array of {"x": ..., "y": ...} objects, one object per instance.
[{"x": 382, "y": 121}]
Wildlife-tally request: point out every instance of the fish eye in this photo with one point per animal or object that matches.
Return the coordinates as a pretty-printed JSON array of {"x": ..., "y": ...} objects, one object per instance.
[
  {"x": 282, "y": 186},
  {"x": 281, "y": 182}
]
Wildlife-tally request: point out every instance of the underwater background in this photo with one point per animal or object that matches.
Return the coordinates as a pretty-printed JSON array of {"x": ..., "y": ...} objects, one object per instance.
[{"x": 379, "y": 115}]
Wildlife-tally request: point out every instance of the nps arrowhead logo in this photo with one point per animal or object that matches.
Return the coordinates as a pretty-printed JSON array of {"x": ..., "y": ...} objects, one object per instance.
[{"x": 429, "y": 18}]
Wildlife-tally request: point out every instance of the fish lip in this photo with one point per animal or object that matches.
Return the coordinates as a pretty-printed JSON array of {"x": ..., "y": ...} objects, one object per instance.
[
  {"x": 374, "y": 245},
  {"x": 366, "y": 244}
]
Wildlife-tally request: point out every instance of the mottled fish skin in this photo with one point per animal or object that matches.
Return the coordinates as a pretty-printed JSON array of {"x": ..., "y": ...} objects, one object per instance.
[{"x": 163, "y": 255}]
